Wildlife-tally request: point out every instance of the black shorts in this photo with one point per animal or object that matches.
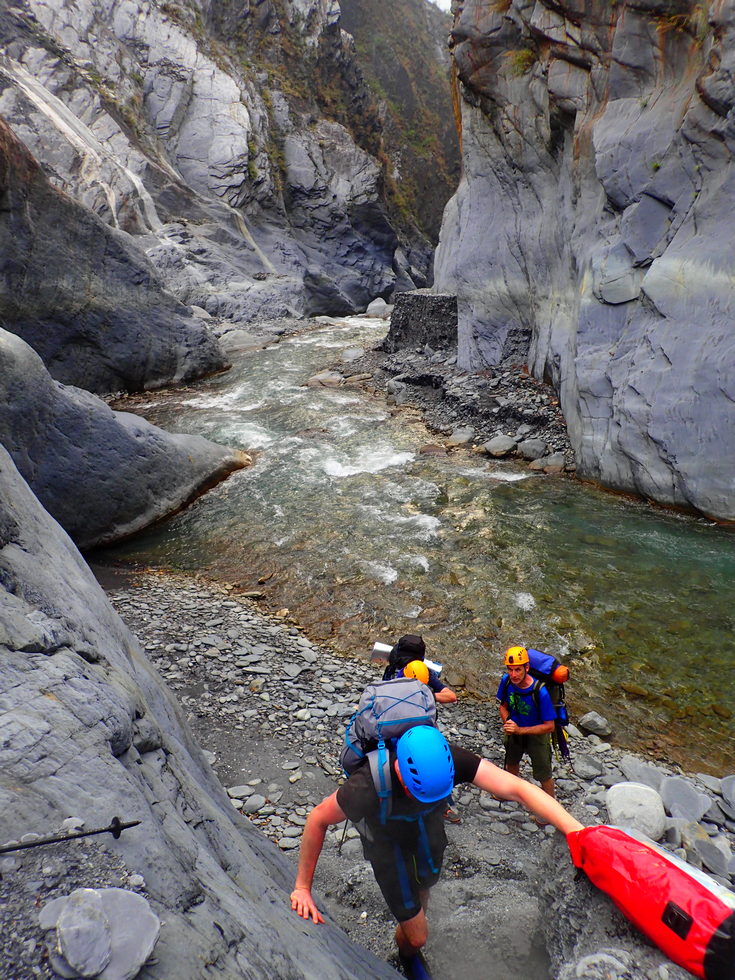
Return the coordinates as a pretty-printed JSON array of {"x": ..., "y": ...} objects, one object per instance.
[{"x": 402, "y": 872}]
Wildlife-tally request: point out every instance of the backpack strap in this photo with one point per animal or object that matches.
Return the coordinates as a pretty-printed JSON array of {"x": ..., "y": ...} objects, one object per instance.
[
  {"x": 535, "y": 689},
  {"x": 379, "y": 760}
]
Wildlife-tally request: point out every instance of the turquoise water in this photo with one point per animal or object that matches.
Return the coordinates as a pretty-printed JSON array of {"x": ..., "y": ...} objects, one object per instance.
[{"x": 343, "y": 521}]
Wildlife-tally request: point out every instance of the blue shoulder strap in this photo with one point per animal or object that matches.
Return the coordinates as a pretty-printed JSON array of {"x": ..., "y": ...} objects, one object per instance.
[{"x": 379, "y": 760}]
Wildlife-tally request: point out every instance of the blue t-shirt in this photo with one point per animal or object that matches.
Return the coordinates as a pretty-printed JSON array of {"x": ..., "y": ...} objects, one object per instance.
[{"x": 522, "y": 703}]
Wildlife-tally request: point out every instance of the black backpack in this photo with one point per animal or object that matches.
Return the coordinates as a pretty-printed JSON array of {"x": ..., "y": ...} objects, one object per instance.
[{"x": 409, "y": 647}]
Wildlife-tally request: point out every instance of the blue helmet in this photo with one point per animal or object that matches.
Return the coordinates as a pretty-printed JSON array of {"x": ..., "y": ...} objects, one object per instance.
[{"x": 425, "y": 763}]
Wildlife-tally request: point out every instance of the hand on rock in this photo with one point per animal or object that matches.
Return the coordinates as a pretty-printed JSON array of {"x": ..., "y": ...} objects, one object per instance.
[{"x": 303, "y": 903}]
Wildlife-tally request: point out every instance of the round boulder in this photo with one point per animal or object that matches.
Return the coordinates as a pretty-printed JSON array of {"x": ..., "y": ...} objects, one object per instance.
[
  {"x": 638, "y": 807},
  {"x": 500, "y": 446},
  {"x": 378, "y": 308},
  {"x": 532, "y": 448}
]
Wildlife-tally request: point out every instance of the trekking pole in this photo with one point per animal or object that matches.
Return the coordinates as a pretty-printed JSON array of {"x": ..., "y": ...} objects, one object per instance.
[
  {"x": 115, "y": 828},
  {"x": 344, "y": 834}
]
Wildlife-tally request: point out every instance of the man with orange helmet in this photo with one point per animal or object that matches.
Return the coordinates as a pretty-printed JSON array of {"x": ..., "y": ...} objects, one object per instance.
[
  {"x": 410, "y": 652},
  {"x": 528, "y": 717}
]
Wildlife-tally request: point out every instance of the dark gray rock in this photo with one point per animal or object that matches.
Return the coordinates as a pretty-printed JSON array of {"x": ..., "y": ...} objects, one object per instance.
[
  {"x": 681, "y": 799},
  {"x": 714, "y": 858},
  {"x": 727, "y": 788},
  {"x": 70, "y": 703},
  {"x": 500, "y": 446},
  {"x": 595, "y": 723},
  {"x": 638, "y": 771},
  {"x": 83, "y": 295},
  {"x": 103, "y": 475},
  {"x": 422, "y": 318},
  {"x": 586, "y": 766},
  {"x": 532, "y": 448}
]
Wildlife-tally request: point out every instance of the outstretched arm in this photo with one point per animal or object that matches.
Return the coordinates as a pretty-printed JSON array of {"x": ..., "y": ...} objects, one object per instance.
[
  {"x": 445, "y": 696},
  {"x": 325, "y": 813},
  {"x": 508, "y": 787}
]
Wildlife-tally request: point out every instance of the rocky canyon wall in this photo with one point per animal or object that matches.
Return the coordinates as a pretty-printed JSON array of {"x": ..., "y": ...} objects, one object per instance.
[
  {"x": 216, "y": 137},
  {"x": 89, "y": 730},
  {"x": 591, "y": 233}
]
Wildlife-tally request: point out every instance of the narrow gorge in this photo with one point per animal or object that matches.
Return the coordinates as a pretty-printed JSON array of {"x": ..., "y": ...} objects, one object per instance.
[{"x": 199, "y": 201}]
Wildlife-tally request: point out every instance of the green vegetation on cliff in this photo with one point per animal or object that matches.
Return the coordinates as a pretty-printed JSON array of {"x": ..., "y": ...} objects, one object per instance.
[
  {"x": 401, "y": 47},
  {"x": 390, "y": 89}
]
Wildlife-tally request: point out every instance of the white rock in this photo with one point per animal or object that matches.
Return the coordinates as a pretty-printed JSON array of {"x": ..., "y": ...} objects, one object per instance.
[
  {"x": 638, "y": 807},
  {"x": 83, "y": 933}
]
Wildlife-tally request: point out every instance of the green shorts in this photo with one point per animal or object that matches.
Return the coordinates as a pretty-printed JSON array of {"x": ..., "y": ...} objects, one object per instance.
[{"x": 536, "y": 747}]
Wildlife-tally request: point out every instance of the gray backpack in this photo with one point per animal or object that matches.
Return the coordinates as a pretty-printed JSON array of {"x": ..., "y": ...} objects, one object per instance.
[{"x": 386, "y": 710}]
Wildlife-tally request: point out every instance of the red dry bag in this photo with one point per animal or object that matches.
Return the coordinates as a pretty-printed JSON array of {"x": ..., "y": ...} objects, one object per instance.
[{"x": 682, "y": 910}]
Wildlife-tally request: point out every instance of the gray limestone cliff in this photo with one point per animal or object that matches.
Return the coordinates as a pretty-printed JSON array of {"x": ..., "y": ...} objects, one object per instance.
[
  {"x": 215, "y": 137},
  {"x": 591, "y": 233},
  {"x": 89, "y": 730}
]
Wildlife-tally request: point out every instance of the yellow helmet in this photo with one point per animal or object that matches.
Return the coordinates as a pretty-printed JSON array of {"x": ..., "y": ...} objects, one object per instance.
[
  {"x": 516, "y": 657},
  {"x": 417, "y": 669}
]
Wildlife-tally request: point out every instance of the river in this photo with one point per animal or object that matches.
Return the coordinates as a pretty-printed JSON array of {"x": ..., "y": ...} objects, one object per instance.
[{"x": 343, "y": 521}]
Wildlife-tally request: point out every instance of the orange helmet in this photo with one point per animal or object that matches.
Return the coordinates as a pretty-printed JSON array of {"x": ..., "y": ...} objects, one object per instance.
[
  {"x": 560, "y": 674},
  {"x": 516, "y": 657},
  {"x": 417, "y": 669}
]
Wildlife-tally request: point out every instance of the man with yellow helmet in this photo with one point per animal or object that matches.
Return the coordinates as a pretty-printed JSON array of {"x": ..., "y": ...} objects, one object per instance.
[
  {"x": 528, "y": 717},
  {"x": 409, "y": 652}
]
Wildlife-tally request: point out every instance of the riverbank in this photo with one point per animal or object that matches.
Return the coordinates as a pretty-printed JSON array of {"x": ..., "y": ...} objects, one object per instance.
[
  {"x": 503, "y": 413},
  {"x": 269, "y": 707}
]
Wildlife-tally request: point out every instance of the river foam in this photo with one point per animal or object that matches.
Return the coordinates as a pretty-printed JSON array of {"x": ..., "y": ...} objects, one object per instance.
[{"x": 369, "y": 461}]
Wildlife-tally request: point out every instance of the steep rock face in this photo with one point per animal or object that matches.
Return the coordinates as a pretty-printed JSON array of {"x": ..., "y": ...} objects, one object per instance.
[
  {"x": 587, "y": 234},
  {"x": 103, "y": 475},
  {"x": 90, "y": 730},
  {"x": 177, "y": 123},
  {"x": 82, "y": 295},
  {"x": 422, "y": 318},
  {"x": 410, "y": 65}
]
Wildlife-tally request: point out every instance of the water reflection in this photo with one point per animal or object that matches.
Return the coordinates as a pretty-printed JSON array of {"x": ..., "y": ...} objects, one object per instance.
[{"x": 343, "y": 520}]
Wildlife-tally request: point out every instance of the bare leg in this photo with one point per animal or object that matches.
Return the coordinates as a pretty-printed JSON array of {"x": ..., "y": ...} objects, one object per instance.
[
  {"x": 412, "y": 934},
  {"x": 514, "y": 768},
  {"x": 548, "y": 787}
]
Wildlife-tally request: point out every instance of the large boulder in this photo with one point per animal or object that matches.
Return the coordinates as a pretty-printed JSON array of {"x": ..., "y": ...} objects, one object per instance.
[
  {"x": 587, "y": 235},
  {"x": 637, "y": 806},
  {"x": 103, "y": 475},
  {"x": 76, "y": 688},
  {"x": 83, "y": 295},
  {"x": 422, "y": 318}
]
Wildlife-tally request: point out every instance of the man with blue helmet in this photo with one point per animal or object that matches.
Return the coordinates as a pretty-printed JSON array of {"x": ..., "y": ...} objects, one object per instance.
[{"x": 406, "y": 848}]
